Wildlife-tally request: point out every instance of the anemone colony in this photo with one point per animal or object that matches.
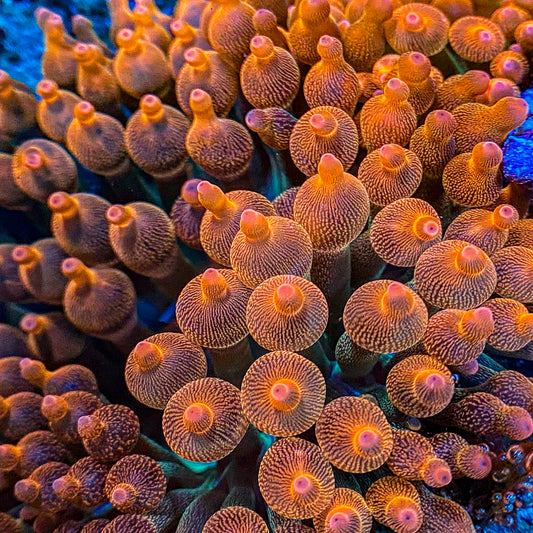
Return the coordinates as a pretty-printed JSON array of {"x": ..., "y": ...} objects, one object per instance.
[{"x": 316, "y": 189}]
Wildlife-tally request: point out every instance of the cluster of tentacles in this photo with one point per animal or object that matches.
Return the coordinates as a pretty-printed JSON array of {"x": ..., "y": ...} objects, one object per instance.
[{"x": 261, "y": 270}]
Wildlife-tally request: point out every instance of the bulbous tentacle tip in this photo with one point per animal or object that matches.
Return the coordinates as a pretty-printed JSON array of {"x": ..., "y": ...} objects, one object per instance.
[
  {"x": 261, "y": 46},
  {"x": 76, "y": 271},
  {"x": 119, "y": 496},
  {"x": 82, "y": 51},
  {"x": 84, "y": 422},
  {"x": 524, "y": 30},
  {"x": 471, "y": 260},
  {"x": 391, "y": 156},
  {"x": 397, "y": 300},
  {"x": 316, "y": 3},
  {"x": 330, "y": 168},
  {"x": 213, "y": 284},
  {"x": 212, "y": 198},
  {"x": 22, "y": 254},
  {"x": 413, "y": 21},
  {"x": 71, "y": 266},
  {"x": 526, "y": 428},
  {"x": 431, "y": 228},
  {"x": 150, "y": 105},
  {"x": 409, "y": 518},
  {"x": 179, "y": 28},
  {"x": 53, "y": 407},
  {"x": 302, "y": 485},
  {"x": 326, "y": 40},
  {"x": 118, "y": 215},
  {"x": 189, "y": 192},
  {"x": 254, "y": 225},
  {"x": 54, "y": 18},
  {"x": 281, "y": 390},
  {"x": 33, "y": 158},
  {"x": 60, "y": 485},
  {"x": 396, "y": 290},
  {"x": 510, "y": 65},
  {"x": 418, "y": 59},
  {"x": 483, "y": 315},
  {"x": 147, "y": 355},
  {"x": 49, "y": 401},
  {"x": 66, "y": 487},
  {"x": 263, "y": 12},
  {"x": 484, "y": 36},
  {"x": 396, "y": 89},
  {"x": 46, "y": 89},
  {"x": 468, "y": 369},
  {"x": 265, "y": 19},
  {"x": 26, "y": 490},
  {"x": 505, "y": 216},
  {"x": 51, "y": 24},
  {"x": 31, "y": 368},
  {"x": 487, "y": 154},
  {"x": 249, "y": 216},
  {"x": 141, "y": 13},
  {"x": 126, "y": 38},
  {"x": 40, "y": 12},
  {"x": 195, "y": 57},
  {"x": 518, "y": 107},
  {"x": 480, "y": 78},
  {"x": 499, "y": 85},
  {"x": 9, "y": 455},
  {"x": 506, "y": 12},
  {"x": 60, "y": 201},
  {"x": 435, "y": 381},
  {"x": 288, "y": 298},
  {"x": 256, "y": 120},
  {"x": 427, "y": 227},
  {"x": 414, "y": 67},
  {"x": 404, "y": 516},
  {"x": 477, "y": 324},
  {"x": 344, "y": 25},
  {"x": 200, "y": 101},
  {"x": 443, "y": 116},
  {"x": 528, "y": 28},
  {"x": 212, "y": 276},
  {"x": 84, "y": 112},
  {"x": 285, "y": 395},
  {"x": 80, "y": 19},
  {"x": 367, "y": 439},
  {"x": 470, "y": 253},
  {"x": 323, "y": 124},
  {"x": 122, "y": 494},
  {"x": 517, "y": 423},
  {"x": 340, "y": 520},
  {"x": 197, "y": 96},
  {"x": 89, "y": 427},
  {"x": 205, "y": 187},
  {"x": 478, "y": 462},
  {"x": 437, "y": 473},
  {"x": 198, "y": 418},
  {"x": 482, "y": 466},
  {"x": 329, "y": 47},
  {"x": 30, "y": 323}
]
